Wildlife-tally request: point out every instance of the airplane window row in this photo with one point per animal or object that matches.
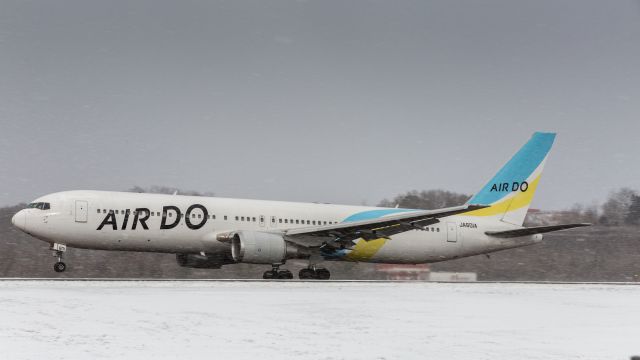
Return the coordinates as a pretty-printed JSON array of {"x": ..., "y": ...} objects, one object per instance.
[
  {"x": 152, "y": 213},
  {"x": 213, "y": 217},
  {"x": 308, "y": 222}
]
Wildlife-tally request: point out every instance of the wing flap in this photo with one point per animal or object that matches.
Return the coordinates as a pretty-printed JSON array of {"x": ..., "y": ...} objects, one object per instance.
[{"x": 533, "y": 230}]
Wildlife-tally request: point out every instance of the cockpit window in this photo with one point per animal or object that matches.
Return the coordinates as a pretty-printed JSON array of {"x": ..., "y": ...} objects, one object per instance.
[{"x": 40, "y": 205}]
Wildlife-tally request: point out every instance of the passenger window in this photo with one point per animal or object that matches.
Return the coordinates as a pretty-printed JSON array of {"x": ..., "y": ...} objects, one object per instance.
[
  {"x": 253, "y": 219},
  {"x": 117, "y": 212},
  {"x": 225, "y": 217},
  {"x": 98, "y": 211},
  {"x": 280, "y": 221}
]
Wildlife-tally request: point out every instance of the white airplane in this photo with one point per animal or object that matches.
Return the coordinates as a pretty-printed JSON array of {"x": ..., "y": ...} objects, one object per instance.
[{"x": 208, "y": 232}]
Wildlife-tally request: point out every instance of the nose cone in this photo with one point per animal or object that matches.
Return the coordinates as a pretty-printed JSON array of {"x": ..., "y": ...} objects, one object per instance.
[{"x": 19, "y": 220}]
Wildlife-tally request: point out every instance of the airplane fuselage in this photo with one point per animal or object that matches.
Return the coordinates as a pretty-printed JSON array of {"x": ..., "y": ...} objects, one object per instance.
[{"x": 190, "y": 225}]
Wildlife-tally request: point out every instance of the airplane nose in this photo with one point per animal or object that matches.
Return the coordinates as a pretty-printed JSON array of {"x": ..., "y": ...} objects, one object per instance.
[{"x": 19, "y": 220}]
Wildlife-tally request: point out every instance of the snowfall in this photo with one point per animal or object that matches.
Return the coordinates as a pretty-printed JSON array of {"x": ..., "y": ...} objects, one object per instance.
[{"x": 316, "y": 320}]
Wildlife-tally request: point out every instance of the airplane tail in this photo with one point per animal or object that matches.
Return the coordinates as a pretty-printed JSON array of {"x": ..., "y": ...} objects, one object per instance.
[{"x": 510, "y": 192}]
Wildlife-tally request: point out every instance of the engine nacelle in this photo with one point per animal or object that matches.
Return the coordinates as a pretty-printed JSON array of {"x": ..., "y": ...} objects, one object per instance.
[
  {"x": 203, "y": 261},
  {"x": 256, "y": 247}
]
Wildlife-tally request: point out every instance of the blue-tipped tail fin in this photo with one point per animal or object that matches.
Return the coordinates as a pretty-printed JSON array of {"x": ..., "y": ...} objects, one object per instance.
[{"x": 510, "y": 192}]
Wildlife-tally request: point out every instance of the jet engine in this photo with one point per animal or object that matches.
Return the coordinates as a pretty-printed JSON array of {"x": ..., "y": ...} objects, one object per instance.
[
  {"x": 256, "y": 247},
  {"x": 213, "y": 261}
]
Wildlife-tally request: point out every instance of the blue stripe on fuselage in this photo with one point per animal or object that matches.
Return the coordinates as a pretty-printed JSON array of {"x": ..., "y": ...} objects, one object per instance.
[{"x": 374, "y": 214}]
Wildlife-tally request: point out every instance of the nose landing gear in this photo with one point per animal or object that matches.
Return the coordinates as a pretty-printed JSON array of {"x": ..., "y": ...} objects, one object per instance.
[{"x": 58, "y": 251}]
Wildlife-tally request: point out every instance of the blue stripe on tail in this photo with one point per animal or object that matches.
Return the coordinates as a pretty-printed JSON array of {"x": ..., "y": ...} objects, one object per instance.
[{"x": 518, "y": 169}]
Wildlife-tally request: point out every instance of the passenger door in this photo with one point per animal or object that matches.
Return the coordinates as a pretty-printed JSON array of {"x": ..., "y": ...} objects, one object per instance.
[
  {"x": 452, "y": 232},
  {"x": 81, "y": 211}
]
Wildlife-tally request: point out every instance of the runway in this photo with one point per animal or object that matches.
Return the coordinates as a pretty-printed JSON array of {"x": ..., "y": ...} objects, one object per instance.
[{"x": 316, "y": 320}]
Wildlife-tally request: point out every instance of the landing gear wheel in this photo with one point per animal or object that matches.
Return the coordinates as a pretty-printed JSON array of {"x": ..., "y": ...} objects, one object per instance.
[
  {"x": 285, "y": 274},
  {"x": 307, "y": 274},
  {"x": 270, "y": 274},
  {"x": 322, "y": 274},
  {"x": 59, "y": 267},
  {"x": 58, "y": 251},
  {"x": 314, "y": 273}
]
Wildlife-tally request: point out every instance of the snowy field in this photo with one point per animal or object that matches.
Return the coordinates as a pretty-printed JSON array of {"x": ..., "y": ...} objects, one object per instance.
[{"x": 312, "y": 320}]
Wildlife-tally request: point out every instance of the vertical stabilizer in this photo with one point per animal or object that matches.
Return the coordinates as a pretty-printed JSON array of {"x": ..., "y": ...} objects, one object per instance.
[{"x": 511, "y": 190}]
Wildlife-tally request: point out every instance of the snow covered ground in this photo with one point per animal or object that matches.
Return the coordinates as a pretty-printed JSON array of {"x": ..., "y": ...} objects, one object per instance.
[{"x": 297, "y": 320}]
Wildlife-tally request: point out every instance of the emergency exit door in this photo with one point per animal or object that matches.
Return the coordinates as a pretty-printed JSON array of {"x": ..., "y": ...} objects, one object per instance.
[
  {"x": 452, "y": 232},
  {"x": 81, "y": 211}
]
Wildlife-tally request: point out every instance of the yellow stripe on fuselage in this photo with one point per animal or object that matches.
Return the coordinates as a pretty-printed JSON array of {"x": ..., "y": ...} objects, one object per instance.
[
  {"x": 516, "y": 202},
  {"x": 365, "y": 250}
]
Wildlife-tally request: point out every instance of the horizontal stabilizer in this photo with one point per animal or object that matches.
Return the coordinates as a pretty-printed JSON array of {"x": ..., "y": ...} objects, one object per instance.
[{"x": 533, "y": 230}]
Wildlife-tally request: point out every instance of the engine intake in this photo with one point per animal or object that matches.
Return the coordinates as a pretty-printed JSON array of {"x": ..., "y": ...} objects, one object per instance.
[{"x": 256, "y": 247}]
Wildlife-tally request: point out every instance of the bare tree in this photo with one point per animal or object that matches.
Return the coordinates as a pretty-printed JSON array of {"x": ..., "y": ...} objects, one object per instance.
[
  {"x": 615, "y": 210},
  {"x": 633, "y": 215}
]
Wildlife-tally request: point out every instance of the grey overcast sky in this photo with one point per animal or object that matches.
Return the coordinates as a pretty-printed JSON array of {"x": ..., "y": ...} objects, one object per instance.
[{"x": 333, "y": 101}]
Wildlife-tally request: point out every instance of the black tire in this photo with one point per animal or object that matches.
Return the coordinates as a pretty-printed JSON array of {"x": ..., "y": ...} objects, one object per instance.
[
  {"x": 59, "y": 267},
  {"x": 323, "y": 274},
  {"x": 306, "y": 274},
  {"x": 285, "y": 274},
  {"x": 269, "y": 274}
]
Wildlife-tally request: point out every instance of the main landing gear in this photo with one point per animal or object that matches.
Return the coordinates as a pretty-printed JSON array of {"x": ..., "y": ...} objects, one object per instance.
[
  {"x": 309, "y": 273},
  {"x": 314, "y": 273},
  {"x": 275, "y": 273},
  {"x": 58, "y": 251}
]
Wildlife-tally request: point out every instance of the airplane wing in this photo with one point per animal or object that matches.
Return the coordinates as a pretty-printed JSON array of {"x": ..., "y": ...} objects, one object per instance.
[
  {"x": 533, "y": 230},
  {"x": 344, "y": 234}
]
